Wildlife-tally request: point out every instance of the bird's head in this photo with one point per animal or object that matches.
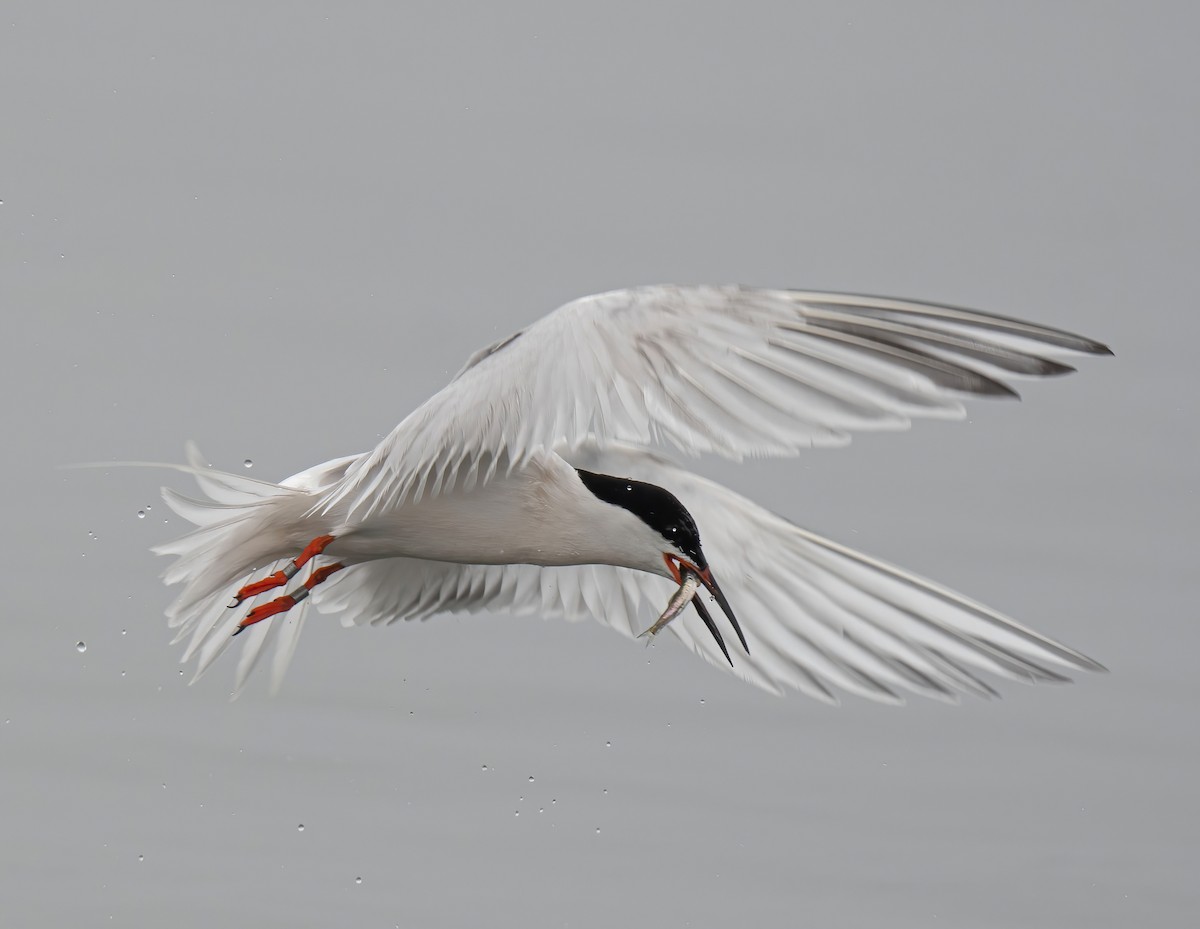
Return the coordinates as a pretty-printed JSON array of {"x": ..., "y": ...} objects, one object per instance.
[{"x": 671, "y": 543}]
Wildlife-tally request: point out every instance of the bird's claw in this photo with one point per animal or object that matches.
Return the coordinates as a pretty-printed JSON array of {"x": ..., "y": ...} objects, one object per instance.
[
  {"x": 267, "y": 610},
  {"x": 278, "y": 579}
]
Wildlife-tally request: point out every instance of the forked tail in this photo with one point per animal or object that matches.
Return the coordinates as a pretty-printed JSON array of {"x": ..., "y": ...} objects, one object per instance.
[{"x": 245, "y": 527}]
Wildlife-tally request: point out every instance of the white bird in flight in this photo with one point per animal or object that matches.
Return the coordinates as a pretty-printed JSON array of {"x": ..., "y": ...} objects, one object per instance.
[{"x": 533, "y": 483}]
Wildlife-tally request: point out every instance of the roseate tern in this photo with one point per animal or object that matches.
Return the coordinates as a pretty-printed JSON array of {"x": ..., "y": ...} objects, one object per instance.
[{"x": 529, "y": 484}]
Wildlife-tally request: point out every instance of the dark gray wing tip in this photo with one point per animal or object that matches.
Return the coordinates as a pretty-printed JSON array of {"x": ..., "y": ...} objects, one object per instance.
[
  {"x": 990, "y": 387},
  {"x": 878, "y": 303},
  {"x": 1089, "y": 664},
  {"x": 1048, "y": 368}
]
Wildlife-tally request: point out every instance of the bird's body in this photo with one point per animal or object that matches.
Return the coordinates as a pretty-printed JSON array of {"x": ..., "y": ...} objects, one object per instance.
[
  {"x": 531, "y": 483},
  {"x": 540, "y": 513}
]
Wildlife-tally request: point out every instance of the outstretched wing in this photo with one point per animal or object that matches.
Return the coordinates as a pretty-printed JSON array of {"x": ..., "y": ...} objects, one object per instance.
[
  {"x": 730, "y": 370},
  {"x": 818, "y": 617}
]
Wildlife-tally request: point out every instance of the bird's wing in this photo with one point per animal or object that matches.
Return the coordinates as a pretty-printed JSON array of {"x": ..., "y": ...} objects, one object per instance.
[
  {"x": 386, "y": 591},
  {"x": 730, "y": 370},
  {"x": 818, "y": 617}
]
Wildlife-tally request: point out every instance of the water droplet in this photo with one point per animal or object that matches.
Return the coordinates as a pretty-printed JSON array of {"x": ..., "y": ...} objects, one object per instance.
[
  {"x": 597, "y": 830},
  {"x": 358, "y": 880},
  {"x": 608, "y": 744},
  {"x": 81, "y": 647},
  {"x": 124, "y": 632},
  {"x": 606, "y": 790},
  {"x": 484, "y": 769},
  {"x": 300, "y": 828},
  {"x": 541, "y": 809},
  {"x": 517, "y": 813},
  {"x": 247, "y": 463},
  {"x": 531, "y": 778},
  {"x": 122, "y": 674},
  {"x": 702, "y": 701},
  {"x": 141, "y": 514},
  {"x": 141, "y": 857},
  {"x": 552, "y": 800}
]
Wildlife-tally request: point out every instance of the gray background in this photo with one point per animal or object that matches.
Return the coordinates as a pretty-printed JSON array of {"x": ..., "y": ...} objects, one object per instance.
[{"x": 277, "y": 228}]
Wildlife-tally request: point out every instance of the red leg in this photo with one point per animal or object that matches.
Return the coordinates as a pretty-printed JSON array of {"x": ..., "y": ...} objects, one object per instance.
[
  {"x": 285, "y": 603},
  {"x": 312, "y": 549},
  {"x": 322, "y": 574},
  {"x": 265, "y": 611},
  {"x": 279, "y": 578}
]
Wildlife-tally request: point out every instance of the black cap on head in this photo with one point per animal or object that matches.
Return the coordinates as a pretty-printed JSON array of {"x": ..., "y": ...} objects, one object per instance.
[{"x": 657, "y": 508}]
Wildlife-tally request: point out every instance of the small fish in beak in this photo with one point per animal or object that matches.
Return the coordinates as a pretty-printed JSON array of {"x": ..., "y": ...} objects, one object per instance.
[{"x": 688, "y": 586}]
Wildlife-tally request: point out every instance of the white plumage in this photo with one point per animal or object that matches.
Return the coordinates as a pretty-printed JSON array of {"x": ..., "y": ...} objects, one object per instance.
[{"x": 474, "y": 502}]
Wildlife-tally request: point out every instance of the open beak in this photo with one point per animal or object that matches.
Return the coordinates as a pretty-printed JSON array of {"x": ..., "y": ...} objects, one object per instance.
[{"x": 688, "y": 575}]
